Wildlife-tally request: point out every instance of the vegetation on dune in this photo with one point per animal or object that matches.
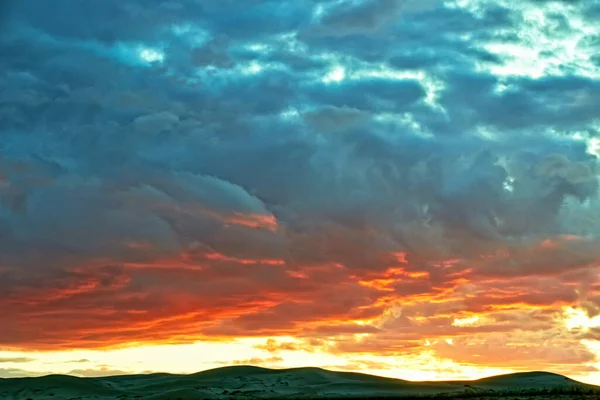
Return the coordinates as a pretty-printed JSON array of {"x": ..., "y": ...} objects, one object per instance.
[
  {"x": 474, "y": 393},
  {"x": 248, "y": 382}
]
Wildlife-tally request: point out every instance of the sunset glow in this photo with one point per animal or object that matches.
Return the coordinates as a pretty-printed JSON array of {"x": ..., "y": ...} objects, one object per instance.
[{"x": 402, "y": 188}]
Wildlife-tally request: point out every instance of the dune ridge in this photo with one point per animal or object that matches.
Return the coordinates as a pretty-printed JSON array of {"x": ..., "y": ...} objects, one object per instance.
[{"x": 296, "y": 383}]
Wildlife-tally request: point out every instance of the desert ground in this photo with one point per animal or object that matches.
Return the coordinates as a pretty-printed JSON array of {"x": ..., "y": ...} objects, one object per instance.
[{"x": 298, "y": 383}]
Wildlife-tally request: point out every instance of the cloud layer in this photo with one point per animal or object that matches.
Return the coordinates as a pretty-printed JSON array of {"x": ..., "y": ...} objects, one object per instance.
[{"x": 370, "y": 177}]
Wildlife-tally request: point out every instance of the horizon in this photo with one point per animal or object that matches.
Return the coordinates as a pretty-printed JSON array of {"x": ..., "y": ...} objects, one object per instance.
[
  {"x": 260, "y": 382},
  {"x": 403, "y": 188},
  {"x": 300, "y": 368}
]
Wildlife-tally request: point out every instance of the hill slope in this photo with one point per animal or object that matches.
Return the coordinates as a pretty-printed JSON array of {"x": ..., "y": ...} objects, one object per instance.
[{"x": 256, "y": 382}]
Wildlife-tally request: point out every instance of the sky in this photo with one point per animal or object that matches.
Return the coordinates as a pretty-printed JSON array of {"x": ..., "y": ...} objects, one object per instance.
[{"x": 403, "y": 188}]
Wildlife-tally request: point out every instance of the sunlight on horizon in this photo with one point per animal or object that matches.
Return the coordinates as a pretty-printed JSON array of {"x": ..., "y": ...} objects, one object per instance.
[{"x": 191, "y": 358}]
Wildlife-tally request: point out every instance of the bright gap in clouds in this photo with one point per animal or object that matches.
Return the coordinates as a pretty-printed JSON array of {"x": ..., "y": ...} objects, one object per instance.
[
  {"x": 337, "y": 74},
  {"x": 252, "y": 68},
  {"x": 544, "y": 47},
  {"x": 191, "y": 358},
  {"x": 290, "y": 114},
  {"x": 509, "y": 184},
  {"x": 469, "y": 321},
  {"x": 258, "y": 47},
  {"x": 151, "y": 55},
  {"x": 578, "y": 319},
  {"x": 594, "y": 146}
]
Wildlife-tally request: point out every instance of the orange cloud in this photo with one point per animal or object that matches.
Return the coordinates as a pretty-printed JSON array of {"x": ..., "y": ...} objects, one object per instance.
[
  {"x": 268, "y": 222},
  {"x": 221, "y": 257},
  {"x": 403, "y": 308}
]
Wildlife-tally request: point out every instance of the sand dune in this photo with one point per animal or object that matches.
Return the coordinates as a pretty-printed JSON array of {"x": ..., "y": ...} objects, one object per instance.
[{"x": 255, "y": 382}]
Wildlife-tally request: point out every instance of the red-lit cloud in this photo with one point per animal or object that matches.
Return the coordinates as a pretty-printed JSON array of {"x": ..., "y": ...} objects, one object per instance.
[{"x": 510, "y": 321}]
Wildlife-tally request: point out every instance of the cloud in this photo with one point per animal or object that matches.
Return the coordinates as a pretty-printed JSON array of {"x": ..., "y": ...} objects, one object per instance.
[
  {"x": 17, "y": 373},
  {"x": 156, "y": 123},
  {"x": 360, "y": 16},
  {"x": 80, "y": 361},
  {"x": 16, "y": 359},
  {"x": 213, "y": 53},
  {"x": 253, "y": 361},
  {"x": 332, "y": 119},
  {"x": 357, "y": 174},
  {"x": 362, "y": 365},
  {"x": 94, "y": 373},
  {"x": 366, "y": 16},
  {"x": 273, "y": 346},
  {"x": 522, "y": 350}
]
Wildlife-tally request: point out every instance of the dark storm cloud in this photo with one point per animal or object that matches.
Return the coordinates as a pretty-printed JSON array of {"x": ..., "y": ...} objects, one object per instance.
[
  {"x": 348, "y": 17},
  {"x": 231, "y": 188},
  {"x": 436, "y": 29},
  {"x": 561, "y": 102},
  {"x": 369, "y": 94},
  {"x": 113, "y": 21},
  {"x": 331, "y": 118},
  {"x": 361, "y": 17}
]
